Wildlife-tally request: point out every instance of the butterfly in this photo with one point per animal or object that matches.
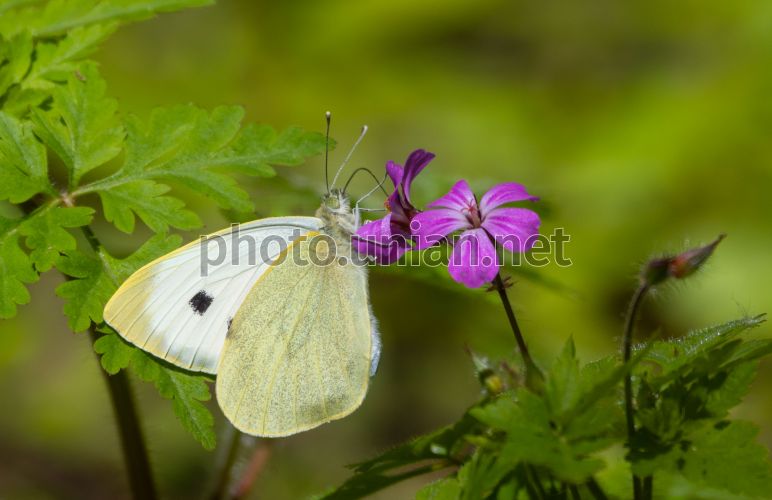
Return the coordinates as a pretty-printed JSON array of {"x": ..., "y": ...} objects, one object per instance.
[{"x": 276, "y": 308}]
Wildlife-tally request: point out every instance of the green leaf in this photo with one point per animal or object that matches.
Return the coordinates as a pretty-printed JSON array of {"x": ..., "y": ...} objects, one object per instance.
[
  {"x": 47, "y": 235},
  {"x": 56, "y": 61},
  {"x": 15, "y": 57},
  {"x": 444, "y": 489},
  {"x": 82, "y": 127},
  {"x": 531, "y": 438},
  {"x": 23, "y": 164},
  {"x": 97, "y": 277},
  {"x": 675, "y": 355},
  {"x": 144, "y": 198},
  {"x": 58, "y": 16},
  {"x": 481, "y": 475},
  {"x": 724, "y": 456},
  {"x": 116, "y": 353},
  {"x": 186, "y": 391},
  {"x": 16, "y": 269},
  {"x": 86, "y": 294},
  {"x": 389, "y": 468},
  {"x": 190, "y": 147}
]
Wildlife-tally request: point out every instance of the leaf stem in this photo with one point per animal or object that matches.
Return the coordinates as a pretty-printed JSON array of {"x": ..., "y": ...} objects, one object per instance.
[
  {"x": 533, "y": 375},
  {"x": 627, "y": 349},
  {"x": 132, "y": 441}
]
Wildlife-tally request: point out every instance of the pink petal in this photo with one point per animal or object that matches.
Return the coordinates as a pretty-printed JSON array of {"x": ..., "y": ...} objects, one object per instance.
[
  {"x": 460, "y": 197},
  {"x": 395, "y": 172},
  {"x": 375, "y": 238},
  {"x": 515, "y": 229},
  {"x": 473, "y": 261},
  {"x": 416, "y": 162},
  {"x": 433, "y": 225},
  {"x": 504, "y": 193}
]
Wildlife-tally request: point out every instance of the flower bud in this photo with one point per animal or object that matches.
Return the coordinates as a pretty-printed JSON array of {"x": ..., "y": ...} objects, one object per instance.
[{"x": 679, "y": 266}]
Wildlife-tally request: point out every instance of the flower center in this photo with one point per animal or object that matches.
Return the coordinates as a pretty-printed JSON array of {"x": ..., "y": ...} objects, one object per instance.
[{"x": 473, "y": 215}]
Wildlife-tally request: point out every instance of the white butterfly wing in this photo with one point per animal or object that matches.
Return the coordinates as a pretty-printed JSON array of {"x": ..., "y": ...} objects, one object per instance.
[{"x": 179, "y": 306}]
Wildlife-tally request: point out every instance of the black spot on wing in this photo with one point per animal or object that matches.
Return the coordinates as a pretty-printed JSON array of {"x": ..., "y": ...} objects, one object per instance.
[
  {"x": 201, "y": 302},
  {"x": 228, "y": 331}
]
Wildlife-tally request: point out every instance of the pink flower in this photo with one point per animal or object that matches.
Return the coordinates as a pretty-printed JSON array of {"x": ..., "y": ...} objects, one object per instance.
[
  {"x": 484, "y": 225},
  {"x": 387, "y": 239}
]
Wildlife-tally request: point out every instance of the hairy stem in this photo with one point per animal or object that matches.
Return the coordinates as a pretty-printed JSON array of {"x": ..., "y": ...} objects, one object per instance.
[
  {"x": 533, "y": 375},
  {"x": 132, "y": 440},
  {"x": 627, "y": 349}
]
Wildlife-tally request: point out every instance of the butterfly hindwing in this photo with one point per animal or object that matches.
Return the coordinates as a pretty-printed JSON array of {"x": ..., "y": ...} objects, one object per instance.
[
  {"x": 299, "y": 350},
  {"x": 179, "y": 307}
]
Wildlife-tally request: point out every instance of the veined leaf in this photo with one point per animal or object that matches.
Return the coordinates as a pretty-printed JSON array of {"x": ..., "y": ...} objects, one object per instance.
[
  {"x": 16, "y": 269},
  {"x": 58, "y": 16},
  {"x": 188, "y": 146},
  {"x": 186, "y": 391},
  {"x": 82, "y": 127},
  {"x": 724, "y": 456},
  {"x": 47, "y": 234},
  {"x": 96, "y": 278},
  {"x": 23, "y": 164},
  {"x": 15, "y": 57},
  {"x": 144, "y": 198},
  {"x": 57, "y": 61}
]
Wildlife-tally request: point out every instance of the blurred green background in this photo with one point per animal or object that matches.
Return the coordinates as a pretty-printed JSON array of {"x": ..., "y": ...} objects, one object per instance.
[{"x": 644, "y": 126}]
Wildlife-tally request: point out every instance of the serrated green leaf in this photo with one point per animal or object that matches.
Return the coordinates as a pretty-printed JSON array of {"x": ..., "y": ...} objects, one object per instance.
[
  {"x": 190, "y": 147},
  {"x": 116, "y": 354},
  {"x": 480, "y": 476},
  {"x": 47, "y": 235},
  {"x": 82, "y": 127},
  {"x": 56, "y": 61},
  {"x": 16, "y": 269},
  {"x": 58, "y": 16},
  {"x": 15, "y": 57},
  {"x": 704, "y": 458},
  {"x": 444, "y": 489},
  {"x": 730, "y": 388},
  {"x": 186, "y": 391},
  {"x": 85, "y": 295},
  {"x": 673, "y": 355},
  {"x": 97, "y": 277},
  {"x": 144, "y": 197},
  {"x": 23, "y": 164}
]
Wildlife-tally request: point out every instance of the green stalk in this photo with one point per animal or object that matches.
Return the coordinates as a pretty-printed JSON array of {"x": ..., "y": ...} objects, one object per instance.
[
  {"x": 627, "y": 349},
  {"x": 533, "y": 376},
  {"x": 132, "y": 439}
]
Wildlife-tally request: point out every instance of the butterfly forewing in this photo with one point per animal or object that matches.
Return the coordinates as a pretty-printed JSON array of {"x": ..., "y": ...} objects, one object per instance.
[{"x": 179, "y": 307}]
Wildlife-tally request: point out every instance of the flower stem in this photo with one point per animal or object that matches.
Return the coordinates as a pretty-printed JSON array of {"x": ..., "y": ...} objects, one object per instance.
[
  {"x": 132, "y": 441},
  {"x": 533, "y": 376},
  {"x": 222, "y": 489},
  {"x": 627, "y": 349}
]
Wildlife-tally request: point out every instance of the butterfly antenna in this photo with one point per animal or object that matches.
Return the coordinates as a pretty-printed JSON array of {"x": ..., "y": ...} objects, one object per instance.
[
  {"x": 351, "y": 152},
  {"x": 375, "y": 178},
  {"x": 327, "y": 117}
]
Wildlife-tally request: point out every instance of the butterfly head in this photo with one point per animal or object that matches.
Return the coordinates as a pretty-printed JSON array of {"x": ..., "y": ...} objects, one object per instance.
[{"x": 336, "y": 210}]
